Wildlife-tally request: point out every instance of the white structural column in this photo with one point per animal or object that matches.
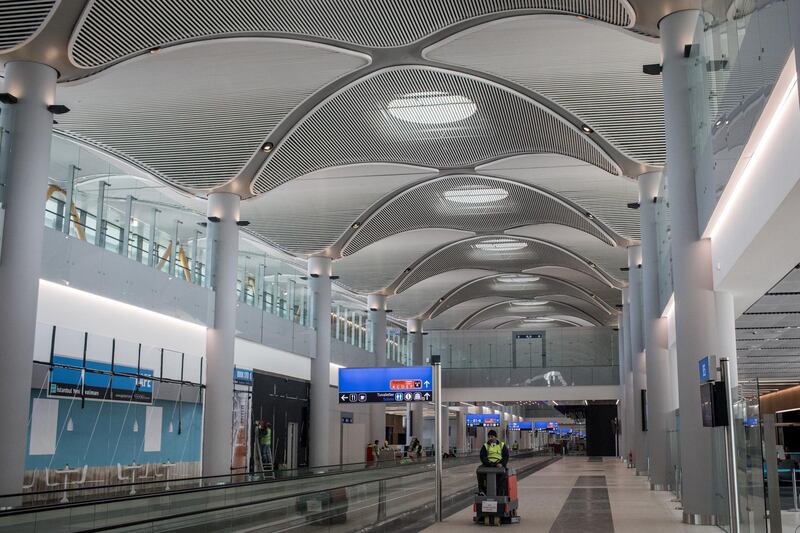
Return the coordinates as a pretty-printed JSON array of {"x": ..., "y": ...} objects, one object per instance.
[
  {"x": 695, "y": 320},
  {"x": 623, "y": 375},
  {"x": 30, "y": 127},
  {"x": 221, "y": 334},
  {"x": 637, "y": 356},
  {"x": 414, "y": 420},
  {"x": 630, "y": 405},
  {"x": 461, "y": 428},
  {"x": 319, "y": 280},
  {"x": 377, "y": 318},
  {"x": 655, "y": 336}
]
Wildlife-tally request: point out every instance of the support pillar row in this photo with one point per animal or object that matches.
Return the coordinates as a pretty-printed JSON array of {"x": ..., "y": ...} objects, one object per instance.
[{"x": 414, "y": 421}]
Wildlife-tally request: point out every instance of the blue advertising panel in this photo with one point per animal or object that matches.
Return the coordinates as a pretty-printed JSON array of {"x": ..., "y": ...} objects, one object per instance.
[
  {"x": 386, "y": 384},
  {"x": 486, "y": 421},
  {"x": 520, "y": 426},
  {"x": 67, "y": 382}
]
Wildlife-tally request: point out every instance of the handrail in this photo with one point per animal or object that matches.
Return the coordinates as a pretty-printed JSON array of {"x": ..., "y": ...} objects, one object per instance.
[
  {"x": 134, "y": 497},
  {"x": 216, "y": 485}
]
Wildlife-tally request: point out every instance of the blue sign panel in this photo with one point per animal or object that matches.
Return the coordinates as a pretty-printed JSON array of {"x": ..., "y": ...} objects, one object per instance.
[
  {"x": 520, "y": 426},
  {"x": 75, "y": 382},
  {"x": 243, "y": 375},
  {"x": 384, "y": 385},
  {"x": 486, "y": 421},
  {"x": 705, "y": 369},
  {"x": 542, "y": 425}
]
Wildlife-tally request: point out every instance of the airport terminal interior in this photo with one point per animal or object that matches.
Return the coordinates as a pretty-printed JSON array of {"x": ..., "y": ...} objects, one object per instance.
[{"x": 400, "y": 265}]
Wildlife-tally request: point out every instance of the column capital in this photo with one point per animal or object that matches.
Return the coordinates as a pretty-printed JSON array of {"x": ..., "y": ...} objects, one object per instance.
[
  {"x": 648, "y": 186},
  {"x": 414, "y": 325},
  {"x": 320, "y": 265},
  {"x": 376, "y": 301},
  {"x": 634, "y": 256}
]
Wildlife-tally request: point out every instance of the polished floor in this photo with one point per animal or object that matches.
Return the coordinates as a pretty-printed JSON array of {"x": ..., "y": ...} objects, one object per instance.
[{"x": 578, "y": 495}]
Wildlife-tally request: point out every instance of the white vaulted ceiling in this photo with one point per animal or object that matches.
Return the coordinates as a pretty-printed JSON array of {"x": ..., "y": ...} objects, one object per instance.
[
  {"x": 195, "y": 114},
  {"x": 428, "y": 147}
]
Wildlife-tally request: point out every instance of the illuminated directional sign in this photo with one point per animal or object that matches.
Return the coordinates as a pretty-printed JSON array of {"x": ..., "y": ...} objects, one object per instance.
[
  {"x": 520, "y": 426},
  {"x": 545, "y": 425},
  {"x": 70, "y": 378},
  {"x": 486, "y": 421},
  {"x": 386, "y": 384}
]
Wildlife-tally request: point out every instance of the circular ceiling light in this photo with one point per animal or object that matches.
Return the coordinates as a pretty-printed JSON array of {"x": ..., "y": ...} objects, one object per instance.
[
  {"x": 431, "y": 108},
  {"x": 475, "y": 194},
  {"x": 517, "y": 278},
  {"x": 538, "y": 320},
  {"x": 500, "y": 244},
  {"x": 529, "y": 303}
]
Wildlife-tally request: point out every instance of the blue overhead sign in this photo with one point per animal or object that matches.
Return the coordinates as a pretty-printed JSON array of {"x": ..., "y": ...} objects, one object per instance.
[
  {"x": 543, "y": 424},
  {"x": 483, "y": 421},
  {"x": 520, "y": 426},
  {"x": 243, "y": 375},
  {"x": 386, "y": 384}
]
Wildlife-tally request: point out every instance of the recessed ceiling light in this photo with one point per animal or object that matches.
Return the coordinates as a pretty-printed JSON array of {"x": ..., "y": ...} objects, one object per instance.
[
  {"x": 431, "y": 108},
  {"x": 475, "y": 194},
  {"x": 539, "y": 320},
  {"x": 517, "y": 278},
  {"x": 355, "y": 225},
  {"x": 267, "y": 147},
  {"x": 586, "y": 129},
  {"x": 500, "y": 244},
  {"x": 155, "y": 50}
]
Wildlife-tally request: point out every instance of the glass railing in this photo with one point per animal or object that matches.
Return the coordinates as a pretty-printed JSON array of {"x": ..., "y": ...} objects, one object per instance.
[
  {"x": 325, "y": 499},
  {"x": 739, "y": 53}
]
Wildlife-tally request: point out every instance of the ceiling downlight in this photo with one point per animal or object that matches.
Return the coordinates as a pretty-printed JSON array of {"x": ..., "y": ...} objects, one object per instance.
[{"x": 432, "y": 107}]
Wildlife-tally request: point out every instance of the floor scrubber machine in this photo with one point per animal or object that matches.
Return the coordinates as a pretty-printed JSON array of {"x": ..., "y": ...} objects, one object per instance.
[{"x": 496, "y": 503}]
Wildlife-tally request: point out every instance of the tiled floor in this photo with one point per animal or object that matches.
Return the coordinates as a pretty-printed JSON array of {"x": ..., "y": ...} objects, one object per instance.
[{"x": 575, "y": 494}]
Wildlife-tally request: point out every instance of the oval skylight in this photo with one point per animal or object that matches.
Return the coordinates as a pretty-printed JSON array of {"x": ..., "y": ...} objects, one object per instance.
[
  {"x": 475, "y": 194},
  {"x": 432, "y": 108},
  {"x": 528, "y": 303},
  {"x": 500, "y": 244},
  {"x": 538, "y": 320},
  {"x": 517, "y": 278}
]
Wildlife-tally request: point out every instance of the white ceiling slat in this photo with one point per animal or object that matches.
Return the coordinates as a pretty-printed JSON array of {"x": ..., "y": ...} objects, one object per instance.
[
  {"x": 104, "y": 35},
  {"x": 195, "y": 114},
  {"x": 504, "y": 124},
  {"x": 428, "y": 206},
  {"x": 20, "y": 20},
  {"x": 597, "y": 77}
]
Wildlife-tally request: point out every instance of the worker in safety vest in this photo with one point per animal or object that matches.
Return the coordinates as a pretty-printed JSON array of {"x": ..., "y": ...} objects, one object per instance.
[
  {"x": 265, "y": 440},
  {"x": 494, "y": 453}
]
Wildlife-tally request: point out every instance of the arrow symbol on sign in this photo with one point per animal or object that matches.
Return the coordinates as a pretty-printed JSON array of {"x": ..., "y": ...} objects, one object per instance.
[
  {"x": 427, "y": 396},
  {"x": 427, "y": 383},
  {"x": 344, "y": 397}
]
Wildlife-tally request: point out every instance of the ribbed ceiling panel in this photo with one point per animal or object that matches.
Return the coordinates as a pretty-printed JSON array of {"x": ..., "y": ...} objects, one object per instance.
[
  {"x": 597, "y": 192},
  {"x": 355, "y": 126},
  {"x": 469, "y": 203},
  {"x": 543, "y": 289},
  {"x": 482, "y": 253},
  {"x": 215, "y": 104},
  {"x": 608, "y": 294},
  {"x": 105, "y": 33},
  {"x": 418, "y": 299},
  {"x": 454, "y": 316},
  {"x": 597, "y": 75},
  {"x": 309, "y": 214},
  {"x": 508, "y": 309},
  {"x": 610, "y": 259},
  {"x": 375, "y": 267},
  {"x": 21, "y": 19}
]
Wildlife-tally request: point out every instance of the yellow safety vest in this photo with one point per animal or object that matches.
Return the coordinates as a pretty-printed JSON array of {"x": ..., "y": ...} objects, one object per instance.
[{"x": 494, "y": 452}]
